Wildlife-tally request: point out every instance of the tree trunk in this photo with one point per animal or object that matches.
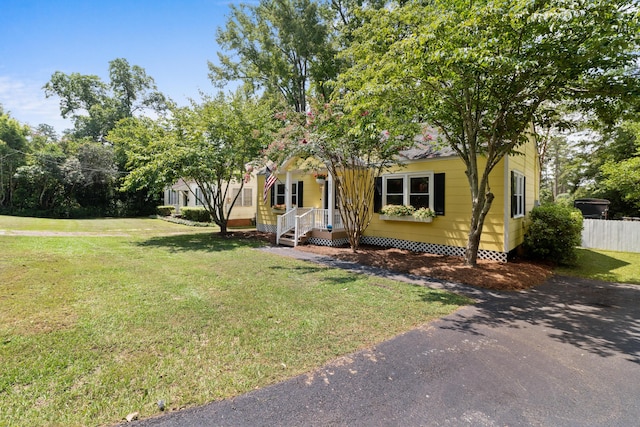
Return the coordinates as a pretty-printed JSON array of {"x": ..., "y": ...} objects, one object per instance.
[
  {"x": 479, "y": 212},
  {"x": 223, "y": 228}
]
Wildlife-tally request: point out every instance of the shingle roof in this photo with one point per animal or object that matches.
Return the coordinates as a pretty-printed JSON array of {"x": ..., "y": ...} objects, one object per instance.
[{"x": 429, "y": 144}]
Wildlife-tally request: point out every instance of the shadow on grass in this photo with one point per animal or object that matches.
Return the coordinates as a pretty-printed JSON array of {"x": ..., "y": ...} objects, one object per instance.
[
  {"x": 209, "y": 242},
  {"x": 425, "y": 294},
  {"x": 597, "y": 265},
  {"x": 445, "y": 298},
  {"x": 597, "y": 317},
  {"x": 339, "y": 279}
]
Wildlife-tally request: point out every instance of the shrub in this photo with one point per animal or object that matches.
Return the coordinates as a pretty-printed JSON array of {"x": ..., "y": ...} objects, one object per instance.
[
  {"x": 165, "y": 210},
  {"x": 397, "y": 210},
  {"x": 196, "y": 214},
  {"x": 554, "y": 233}
]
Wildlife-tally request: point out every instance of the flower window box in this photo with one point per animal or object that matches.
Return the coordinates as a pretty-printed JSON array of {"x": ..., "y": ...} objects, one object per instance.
[{"x": 407, "y": 218}]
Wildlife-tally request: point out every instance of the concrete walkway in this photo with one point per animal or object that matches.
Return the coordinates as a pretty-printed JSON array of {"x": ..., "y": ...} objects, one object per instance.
[{"x": 566, "y": 353}]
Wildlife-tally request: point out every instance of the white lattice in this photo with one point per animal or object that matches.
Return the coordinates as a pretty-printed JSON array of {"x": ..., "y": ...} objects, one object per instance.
[
  {"x": 266, "y": 228},
  {"x": 335, "y": 243},
  {"x": 430, "y": 248}
]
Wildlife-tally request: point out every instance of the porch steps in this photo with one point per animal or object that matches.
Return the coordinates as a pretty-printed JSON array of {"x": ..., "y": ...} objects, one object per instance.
[{"x": 288, "y": 239}]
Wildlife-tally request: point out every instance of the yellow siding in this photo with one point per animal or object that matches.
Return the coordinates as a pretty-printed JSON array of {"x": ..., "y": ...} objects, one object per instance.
[
  {"x": 452, "y": 228},
  {"x": 528, "y": 165},
  {"x": 312, "y": 194}
]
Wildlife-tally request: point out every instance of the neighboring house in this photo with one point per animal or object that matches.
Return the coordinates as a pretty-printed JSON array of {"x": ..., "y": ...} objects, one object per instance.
[
  {"x": 427, "y": 177},
  {"x": 187, "y": 193}
]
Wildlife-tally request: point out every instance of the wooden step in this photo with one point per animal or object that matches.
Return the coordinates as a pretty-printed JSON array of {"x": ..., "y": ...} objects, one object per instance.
[
  {"x": 288, "y": 239},
  {"x": 284, "y": 241}
]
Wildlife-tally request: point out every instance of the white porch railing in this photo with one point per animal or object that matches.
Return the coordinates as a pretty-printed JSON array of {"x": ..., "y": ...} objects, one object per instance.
[
  {"x": 286, "y": 222},
  {"x": 304, "y": 224},
  {"x": 303, "y": 220},
  {"x": 323, "y": 222}
]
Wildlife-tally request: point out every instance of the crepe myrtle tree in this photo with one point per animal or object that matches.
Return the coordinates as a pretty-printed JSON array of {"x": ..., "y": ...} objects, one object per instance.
[
  {"x": 479, "y": 70},
  {"x": 354, "y": 145},
  {"x": 209, "y": 143}
]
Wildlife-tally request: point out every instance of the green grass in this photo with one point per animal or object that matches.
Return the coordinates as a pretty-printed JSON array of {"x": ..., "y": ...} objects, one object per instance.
[
  {"x": 610, "y": 266},
  {"x": 94, "y": 327},
  {"x": 117, "y": 226}
]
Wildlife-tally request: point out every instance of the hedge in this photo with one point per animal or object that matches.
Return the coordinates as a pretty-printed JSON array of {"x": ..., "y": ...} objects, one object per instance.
[
  {"x": 167, "y": 210},
  {"x": 196, "y": 214}
]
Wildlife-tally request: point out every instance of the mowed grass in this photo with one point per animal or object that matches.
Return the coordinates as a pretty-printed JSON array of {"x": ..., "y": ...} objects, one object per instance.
[
  {"x": 93, "y": 327},
  {"x": 610, "y": 266},
  {"x": 101, "y": 226}
]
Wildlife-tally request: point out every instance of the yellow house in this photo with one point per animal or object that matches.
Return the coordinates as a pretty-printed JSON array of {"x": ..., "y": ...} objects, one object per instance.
[{"x": 300, "y": 209}]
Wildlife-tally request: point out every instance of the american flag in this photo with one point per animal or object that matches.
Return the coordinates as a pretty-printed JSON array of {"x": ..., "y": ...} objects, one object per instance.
[{"x": 270, "y": 178}]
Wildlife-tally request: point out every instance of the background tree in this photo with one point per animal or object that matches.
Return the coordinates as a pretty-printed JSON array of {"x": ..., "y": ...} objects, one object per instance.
[
  {"x": 99, "y": 178},
  {"x": 42, "y": 135},
  {"x": 95, "y": 106},
  {"x": 277, "y": 46},
  {"x": 210, "y": 144},
  {"x": 621, "y": 171},
  {"x": 40, "y": 184},
  {"x": 13, "y": 150},
  {"x": 479, "y": 71}
]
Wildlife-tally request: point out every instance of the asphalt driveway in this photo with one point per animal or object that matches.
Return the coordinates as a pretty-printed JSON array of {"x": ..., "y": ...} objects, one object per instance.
[{"x": 566, "y": 353}]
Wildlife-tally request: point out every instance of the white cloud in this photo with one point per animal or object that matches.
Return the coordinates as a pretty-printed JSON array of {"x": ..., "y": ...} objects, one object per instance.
[{"x": 26, "y": 102}]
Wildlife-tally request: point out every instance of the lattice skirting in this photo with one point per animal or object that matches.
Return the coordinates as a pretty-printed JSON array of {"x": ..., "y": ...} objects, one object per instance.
[
  {"x": 335, "y": 243},
  {"x": 267, "y": 228},
  {"x": 430, "y": 248},
  {"x": 387, "y": 242}
]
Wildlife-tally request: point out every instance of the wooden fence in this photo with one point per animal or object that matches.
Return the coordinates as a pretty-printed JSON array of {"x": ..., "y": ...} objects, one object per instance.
[{"x": 621, "y": 236}]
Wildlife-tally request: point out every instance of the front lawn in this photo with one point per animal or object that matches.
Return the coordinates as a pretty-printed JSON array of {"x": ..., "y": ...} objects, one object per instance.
[
  {"x": 610, "y": 266},
  {"x": 108, "y": 320}
]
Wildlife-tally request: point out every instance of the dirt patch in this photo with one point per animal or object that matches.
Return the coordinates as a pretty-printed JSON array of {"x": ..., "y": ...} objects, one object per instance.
[{"x": 512, "y": 276}]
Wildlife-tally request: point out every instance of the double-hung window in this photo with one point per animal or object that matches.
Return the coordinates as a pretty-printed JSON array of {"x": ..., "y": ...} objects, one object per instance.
[
  {"x": 245, "y": 199},
  {"x": 173, "y": 197},
  {"x": 517, "y": 194},
  {"x": 415, "y": 189},
  {"x": 280, "y": 195}
]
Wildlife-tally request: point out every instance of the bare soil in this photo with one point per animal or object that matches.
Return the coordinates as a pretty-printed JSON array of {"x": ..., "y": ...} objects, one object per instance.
[{"x": 511, "y": 276}]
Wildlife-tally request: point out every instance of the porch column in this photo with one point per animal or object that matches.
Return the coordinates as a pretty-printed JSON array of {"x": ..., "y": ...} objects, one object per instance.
[
  {"x": 287, "y": 191},
  {"x": 331, "y": 202}
]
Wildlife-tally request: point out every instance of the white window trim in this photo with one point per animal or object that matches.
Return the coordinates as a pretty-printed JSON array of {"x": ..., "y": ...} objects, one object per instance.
[
  {"x": 286, "y": 188},
  {"x": 519, "y": 194},
  {"x": 173, "y": 197},
  {"x": 407, "y": 186}
]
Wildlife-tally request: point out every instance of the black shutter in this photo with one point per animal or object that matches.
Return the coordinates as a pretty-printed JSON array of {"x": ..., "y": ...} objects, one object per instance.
[
  {"x": 377, "y": 195},
  {"x": 514, "y": 200},
  {"x": 438, "y": 197},
  {"x": 273, "y": 194},
  {"x": 325, "y": 199},
  {"x": 300, "y": 198}
]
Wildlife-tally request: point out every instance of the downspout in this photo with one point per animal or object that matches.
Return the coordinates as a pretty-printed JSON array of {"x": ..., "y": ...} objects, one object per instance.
[{"x": 505, "y": 204}]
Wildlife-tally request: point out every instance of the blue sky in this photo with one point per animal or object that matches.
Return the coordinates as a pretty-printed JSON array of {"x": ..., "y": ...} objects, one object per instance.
[{"x": 171, "y": 40}]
